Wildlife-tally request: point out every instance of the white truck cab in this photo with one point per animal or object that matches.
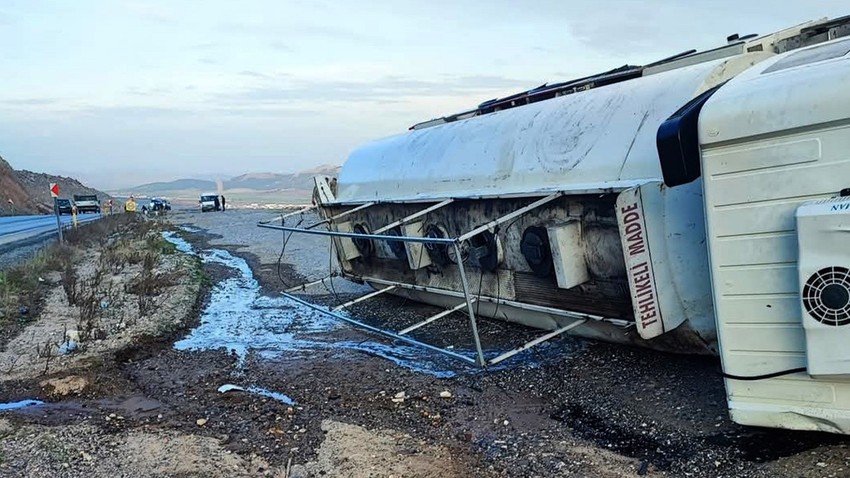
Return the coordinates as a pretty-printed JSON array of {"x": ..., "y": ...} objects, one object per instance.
[
  {"x": 775, "y": 155},
  {"x": 87, "y": 203}
]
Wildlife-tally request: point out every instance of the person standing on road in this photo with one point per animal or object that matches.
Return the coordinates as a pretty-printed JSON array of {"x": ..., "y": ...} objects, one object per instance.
[
  {"x": 223, "y": 207},
  {"x": 130, "y": 205}
]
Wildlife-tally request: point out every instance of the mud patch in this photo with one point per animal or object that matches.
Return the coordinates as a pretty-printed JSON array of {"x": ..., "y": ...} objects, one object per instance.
[
  {"x": 357, "y": 452},
  {"x": 82, "y": 450},
  {"x": 60, "y": 387}
]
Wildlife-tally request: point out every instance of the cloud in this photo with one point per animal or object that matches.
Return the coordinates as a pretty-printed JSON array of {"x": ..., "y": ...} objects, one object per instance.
[
  {"x": 30, "y": 101},
  {"x": 137, "y": 91},
  {"x": 151, "y": 12},
  {"x": 208, "y": 61},
  {"x": 337, "y": 33},
  {"x": 135, "y": 114},
  {"x": 666, "y": 27},
  {"x": 280, "y": 46},
  {"x": 205, "y": 46},
  {"x": 255, "y": 74},
  {"x": 387, "y": 89},
  {"x": 297, "y": 31}
]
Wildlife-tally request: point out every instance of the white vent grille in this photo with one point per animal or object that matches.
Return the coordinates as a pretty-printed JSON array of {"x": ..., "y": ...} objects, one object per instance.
[{"x": 826, "y": 296}]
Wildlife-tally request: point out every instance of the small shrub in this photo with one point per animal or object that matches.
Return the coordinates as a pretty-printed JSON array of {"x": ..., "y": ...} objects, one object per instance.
[
  {"x": 156, "y": 243},
  {"x": 69, "y": 283},
  {"x": 89, "y": 295},
  {"x": 113, "y": 259}
]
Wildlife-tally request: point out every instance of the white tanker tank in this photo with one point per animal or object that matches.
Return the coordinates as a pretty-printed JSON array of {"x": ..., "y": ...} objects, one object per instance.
[{"x": 649, "y": 205}]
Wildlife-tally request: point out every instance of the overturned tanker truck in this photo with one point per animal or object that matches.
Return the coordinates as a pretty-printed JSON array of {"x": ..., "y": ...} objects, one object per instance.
[{"x": 698, "y": 204}]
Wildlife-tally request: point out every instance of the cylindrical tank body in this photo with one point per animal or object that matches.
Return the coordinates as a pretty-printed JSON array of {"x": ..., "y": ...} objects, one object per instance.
[
  {"x": 598, "y": 140},
  {"x": 591, "y": 146}
]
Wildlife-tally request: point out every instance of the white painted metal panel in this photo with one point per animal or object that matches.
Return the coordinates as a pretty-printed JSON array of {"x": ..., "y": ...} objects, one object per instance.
[
  {"x": 759, "y": 249},
  {"x": 417, "y": 255},
  {"x": 754, "y": 105},
  {"x": 346, "y": 245},
  {"x": 770, "y": 143},
  {"x": 663, "y": 236},
  {"x": 568, "y": 254}
]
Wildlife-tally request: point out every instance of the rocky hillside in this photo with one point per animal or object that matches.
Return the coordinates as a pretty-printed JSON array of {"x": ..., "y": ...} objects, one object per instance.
[
  {"x": 37, "y": 186},
  {"x": 26, "y": 192},
  {"x": 14, "y": 198}
]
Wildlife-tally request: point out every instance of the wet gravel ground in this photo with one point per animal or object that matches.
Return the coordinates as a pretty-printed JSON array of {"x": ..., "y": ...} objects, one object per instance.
[
  {"x": 573, "y": 407},
  {"x": 570, "y": 408}
]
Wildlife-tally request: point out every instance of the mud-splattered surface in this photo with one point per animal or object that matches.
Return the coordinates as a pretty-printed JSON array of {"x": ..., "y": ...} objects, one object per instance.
[{"x": 209, "y": 400}]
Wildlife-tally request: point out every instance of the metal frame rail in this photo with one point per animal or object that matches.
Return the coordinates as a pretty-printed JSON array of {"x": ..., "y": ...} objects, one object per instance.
[{"x": 468, "y": 299}]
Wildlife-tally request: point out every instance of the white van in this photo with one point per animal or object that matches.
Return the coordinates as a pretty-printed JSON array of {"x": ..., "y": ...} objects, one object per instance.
[{"x": 209, "y": 202}]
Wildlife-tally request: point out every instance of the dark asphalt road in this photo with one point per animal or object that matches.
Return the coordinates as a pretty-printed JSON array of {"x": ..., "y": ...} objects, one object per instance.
[{"x": 20, "y": 228}]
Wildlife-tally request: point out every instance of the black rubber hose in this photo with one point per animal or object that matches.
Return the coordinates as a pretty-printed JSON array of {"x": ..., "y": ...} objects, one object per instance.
[{"x": 763, "y": 377}]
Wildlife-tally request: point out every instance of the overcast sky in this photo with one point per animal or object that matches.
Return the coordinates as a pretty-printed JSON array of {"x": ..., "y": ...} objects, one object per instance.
[{"x": 123, "y": 92}]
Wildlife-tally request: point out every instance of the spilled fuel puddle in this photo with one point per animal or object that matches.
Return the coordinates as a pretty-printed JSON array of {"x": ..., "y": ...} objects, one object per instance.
[
  {"x": 257, "y": 391},
  {"x": 241, "y": 320},
  {"x": 5, "y": 407}
]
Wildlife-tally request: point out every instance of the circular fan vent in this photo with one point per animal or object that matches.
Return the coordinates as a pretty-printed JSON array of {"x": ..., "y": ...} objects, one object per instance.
[
  {"x": 364, "y": 246},
  {"x": 397, "y": 247},
  {"x": 826, "y": 296},
  {"x": 439, "y": 253}
]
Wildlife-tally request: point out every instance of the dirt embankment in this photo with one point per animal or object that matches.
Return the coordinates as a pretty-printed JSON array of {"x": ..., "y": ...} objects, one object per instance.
[
  {"x": 68, "y": 317},
  {"x": 14, "y": 198},
  {"x": 27, "y": 192},
  {"x": 37, "y": 186}
]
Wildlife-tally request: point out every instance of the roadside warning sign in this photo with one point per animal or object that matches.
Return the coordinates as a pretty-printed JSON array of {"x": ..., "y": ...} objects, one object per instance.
[{"x": 54, "y": 190}]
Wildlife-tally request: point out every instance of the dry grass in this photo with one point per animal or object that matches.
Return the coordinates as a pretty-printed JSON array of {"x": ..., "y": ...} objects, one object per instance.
[
  {"x": 123, "y": 240},
  {"x": 22, "y": 285}
]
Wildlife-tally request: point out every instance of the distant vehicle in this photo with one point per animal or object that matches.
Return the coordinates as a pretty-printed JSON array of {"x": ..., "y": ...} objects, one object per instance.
[
  {"x": 87, "y": 203},
  {"x": 160, "y": 204},
  {"x": 209, "y": 202},
  {"x": 64, "y": 206}
]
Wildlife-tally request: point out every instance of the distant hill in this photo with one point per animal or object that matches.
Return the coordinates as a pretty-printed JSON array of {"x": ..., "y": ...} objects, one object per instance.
[
  {"x": 272, "y": 181},
  {"x": 14, "y": 198},
  {"x": 177, "y": 185},
  {"x": 29, "y": 191},
  {"x": 250, "y": 187}
]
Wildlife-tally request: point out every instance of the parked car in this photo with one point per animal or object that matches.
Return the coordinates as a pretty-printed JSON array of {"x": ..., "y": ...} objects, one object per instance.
[
  {"x": 87, "y": 203},
  {"x": 160, "y": 205},
  {"x": 64, "y": 206}
]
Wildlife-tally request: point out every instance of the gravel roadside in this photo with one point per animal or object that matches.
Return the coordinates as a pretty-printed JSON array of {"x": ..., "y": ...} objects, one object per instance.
[
  {"x": 594, "y": 410},
  {"x": 317, "y": 397}
]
